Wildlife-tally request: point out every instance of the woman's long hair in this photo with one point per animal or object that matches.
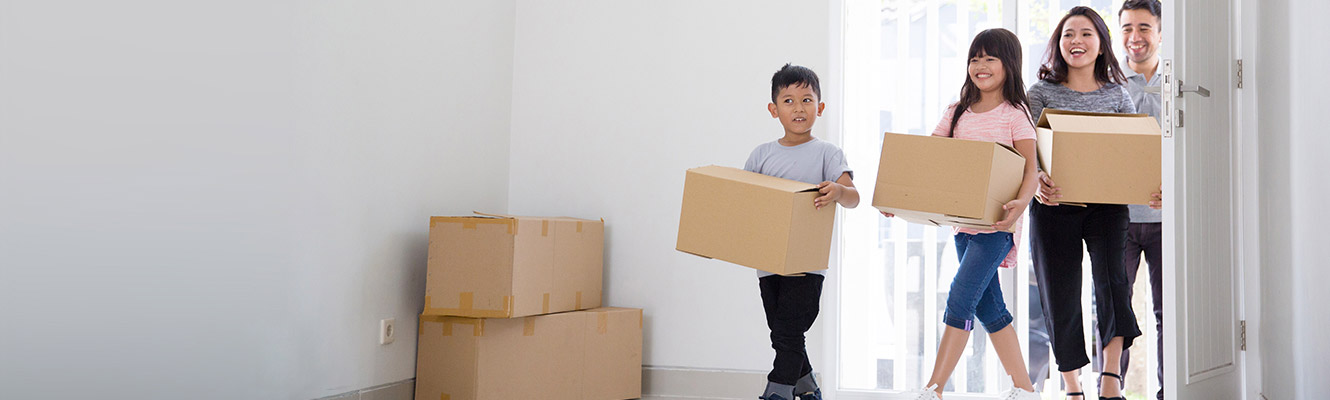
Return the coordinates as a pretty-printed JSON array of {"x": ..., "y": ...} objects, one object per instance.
[
  {"x": 1106, "y": 70},
  {"x": 1006, "y": 47}
]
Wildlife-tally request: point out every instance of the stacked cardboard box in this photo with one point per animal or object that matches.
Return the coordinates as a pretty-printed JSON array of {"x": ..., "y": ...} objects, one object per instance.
[{"x": 512, "y": 310}]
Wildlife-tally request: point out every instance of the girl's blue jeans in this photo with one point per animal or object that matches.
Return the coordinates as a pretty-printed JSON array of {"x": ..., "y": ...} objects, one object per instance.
[{"x": 976, "y": 292}]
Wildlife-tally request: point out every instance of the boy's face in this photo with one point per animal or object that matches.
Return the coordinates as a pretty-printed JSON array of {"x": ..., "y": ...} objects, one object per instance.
[{"x": 797, "y": 107}]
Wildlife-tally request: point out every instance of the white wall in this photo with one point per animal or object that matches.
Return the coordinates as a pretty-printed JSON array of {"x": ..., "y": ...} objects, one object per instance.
[
  {"x": 1291, "y": 95},
  {"x": 613, "y": 101},
  {"x": 221, "y": 200}
]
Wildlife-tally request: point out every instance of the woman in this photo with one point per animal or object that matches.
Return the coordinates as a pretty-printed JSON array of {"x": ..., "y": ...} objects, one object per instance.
[{"x": 1080, "y": 73}]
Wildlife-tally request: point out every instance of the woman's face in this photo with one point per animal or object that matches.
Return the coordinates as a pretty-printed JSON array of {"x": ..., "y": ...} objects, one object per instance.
[{"x": 1080, "y": 42}]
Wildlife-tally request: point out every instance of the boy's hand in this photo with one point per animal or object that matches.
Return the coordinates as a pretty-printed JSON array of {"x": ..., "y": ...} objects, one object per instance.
[
  {"x": 887, "y": 214},
  {"x": 1014, "y": 210},
  {"x": 1158, "y": 202},
  {"x": 831, "y": 191},
  {"x": 1048, "y": 192}
]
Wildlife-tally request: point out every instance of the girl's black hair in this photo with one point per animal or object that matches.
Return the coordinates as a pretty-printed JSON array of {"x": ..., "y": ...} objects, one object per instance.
[
  {"x": 1106, "y": 69},
  {"x": 1006, "y": 47}
]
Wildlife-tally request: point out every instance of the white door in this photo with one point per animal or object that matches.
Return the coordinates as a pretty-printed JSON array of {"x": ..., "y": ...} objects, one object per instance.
[{"x": 1200, "y": 278}]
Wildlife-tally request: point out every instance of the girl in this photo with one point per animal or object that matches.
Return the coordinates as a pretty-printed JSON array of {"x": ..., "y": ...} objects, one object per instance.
[
  {"x": 992, "y": 107},
  {"x": 1080, "y": 73}
]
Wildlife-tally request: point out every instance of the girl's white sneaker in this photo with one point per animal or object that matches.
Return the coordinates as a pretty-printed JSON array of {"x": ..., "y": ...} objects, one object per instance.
[
  {"x": 1018, "y": 394},
  {"x": 928, "y": 393}
]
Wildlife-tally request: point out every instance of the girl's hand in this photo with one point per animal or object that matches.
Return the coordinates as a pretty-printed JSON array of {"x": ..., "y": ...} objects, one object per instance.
[
  {"x": 887, "y": 214},
  {"x": 1158, "y": 202},
  {"x": 831, "y": 191},
  {"x": 1014, "y": 210},
  {"x": 1048, "y": 192}
]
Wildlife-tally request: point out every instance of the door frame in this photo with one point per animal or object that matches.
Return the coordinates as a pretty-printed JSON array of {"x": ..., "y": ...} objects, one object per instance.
[{"x": 1249, "y": 196}]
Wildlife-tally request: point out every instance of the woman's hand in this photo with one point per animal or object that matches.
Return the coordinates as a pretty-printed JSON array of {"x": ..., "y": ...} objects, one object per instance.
[{"x": 1049, "y": 192}]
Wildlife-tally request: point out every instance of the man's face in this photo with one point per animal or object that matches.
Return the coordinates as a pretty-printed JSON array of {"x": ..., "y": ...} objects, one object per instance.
[{"x": 1140, "y": 35}]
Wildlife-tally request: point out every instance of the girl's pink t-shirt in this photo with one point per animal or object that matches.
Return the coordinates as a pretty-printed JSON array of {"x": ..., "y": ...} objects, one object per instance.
[{"x": 1004, "y": 124}]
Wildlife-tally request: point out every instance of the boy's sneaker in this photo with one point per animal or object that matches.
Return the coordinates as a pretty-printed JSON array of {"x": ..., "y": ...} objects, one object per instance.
[
  {"x": 928, "y": 393},
  {"x": 772, "y": 396},
  {"x": 1018, "y": 394}
]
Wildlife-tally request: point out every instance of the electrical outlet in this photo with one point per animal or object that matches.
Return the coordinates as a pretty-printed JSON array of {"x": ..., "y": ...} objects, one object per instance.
[{"x": 387, "y": 332}]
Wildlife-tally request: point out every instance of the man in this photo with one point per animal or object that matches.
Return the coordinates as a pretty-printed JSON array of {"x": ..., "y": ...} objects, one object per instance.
[{"x": 1142, "y": 38}]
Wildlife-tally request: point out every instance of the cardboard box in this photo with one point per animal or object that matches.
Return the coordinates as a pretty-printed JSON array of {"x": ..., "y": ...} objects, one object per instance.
[
  {"x": 1101, "y": 158},
  {"x": 944, "y": 181},
  {"x": 499, "y": 266},
  {"x": 594, "y": 354},
  {"x": 754, "y": 220}
]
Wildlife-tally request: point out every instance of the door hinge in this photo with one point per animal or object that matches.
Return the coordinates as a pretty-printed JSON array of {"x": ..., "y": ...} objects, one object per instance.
[
  {"x": 1239, "y": 73},
  {"x": 1242, "y": 334}
]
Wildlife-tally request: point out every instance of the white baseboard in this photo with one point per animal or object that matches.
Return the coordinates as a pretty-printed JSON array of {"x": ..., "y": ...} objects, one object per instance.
[
  {"x": 401, "y": 390},
  {"x": 696, "y": 383}
]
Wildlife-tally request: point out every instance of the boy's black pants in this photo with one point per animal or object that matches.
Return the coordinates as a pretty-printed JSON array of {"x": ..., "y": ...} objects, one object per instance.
[
  {"x": 1056, "y": 235},
  {"x": 791, "y": 303}
]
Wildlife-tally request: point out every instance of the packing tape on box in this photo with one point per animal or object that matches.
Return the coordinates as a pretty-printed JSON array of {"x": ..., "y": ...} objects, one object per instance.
[
  {"x": 529, "y": 326},
  {"x": 466, "y": 308},
  {"x": 545, "y": 304},
  {"x": 544, "y": 228},
  {"x": 444, "y": 396},
  {"x": 472, "y": 222},
  {"x": 639, "y": 319},
  {"x": 477, "y": 325},
  {"x": 577, "y": 305},
  {"x": 579, "y": 226},
  {"x": 602, "y": 322}
]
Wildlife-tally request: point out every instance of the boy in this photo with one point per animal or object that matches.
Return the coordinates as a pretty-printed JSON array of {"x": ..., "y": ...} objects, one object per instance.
[{"x": 791, "y": 302}]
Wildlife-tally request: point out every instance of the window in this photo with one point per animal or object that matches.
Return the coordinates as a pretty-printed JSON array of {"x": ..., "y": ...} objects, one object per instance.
[{"x": 904, "y": 63}]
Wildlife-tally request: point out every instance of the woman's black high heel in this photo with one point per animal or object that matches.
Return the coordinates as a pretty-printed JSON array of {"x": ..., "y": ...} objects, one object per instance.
[{"x": 1120, "y": 385}]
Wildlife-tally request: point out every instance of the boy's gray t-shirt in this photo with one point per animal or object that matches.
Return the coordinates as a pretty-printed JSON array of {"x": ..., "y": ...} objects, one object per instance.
[{"x": 812, "y": 162}]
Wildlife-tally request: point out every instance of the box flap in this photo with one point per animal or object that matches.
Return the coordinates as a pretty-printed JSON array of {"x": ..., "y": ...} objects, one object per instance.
[
  {"x": 739, "y": 175},
  {"x": 507, "y": 216},
  {"x": 1089, "y": 122}
]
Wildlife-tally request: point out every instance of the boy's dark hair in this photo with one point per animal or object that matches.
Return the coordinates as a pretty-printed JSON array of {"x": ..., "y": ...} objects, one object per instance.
[
  {"x": 1106, "y": 70},
  {"x": 1153, "y": 6},
  {"x": 794, "y": 75},
  {"x": 1006, "y": 47}
]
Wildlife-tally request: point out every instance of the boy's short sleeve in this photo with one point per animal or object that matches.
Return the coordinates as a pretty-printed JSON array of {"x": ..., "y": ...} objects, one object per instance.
[
  {"x": 754, "y": 160},
  {"x": 836, "y": 165}
]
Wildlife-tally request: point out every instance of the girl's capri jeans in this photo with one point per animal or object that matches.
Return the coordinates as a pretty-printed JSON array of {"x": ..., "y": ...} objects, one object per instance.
[{"x": 976, "y": 292}]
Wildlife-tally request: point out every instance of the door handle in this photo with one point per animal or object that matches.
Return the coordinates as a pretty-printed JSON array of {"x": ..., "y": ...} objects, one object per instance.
[{"x": 1198, "y": 89}]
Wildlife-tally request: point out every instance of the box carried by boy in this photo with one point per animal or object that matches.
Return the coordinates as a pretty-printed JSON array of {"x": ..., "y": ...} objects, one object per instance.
[{"x": 754, "y": 220}]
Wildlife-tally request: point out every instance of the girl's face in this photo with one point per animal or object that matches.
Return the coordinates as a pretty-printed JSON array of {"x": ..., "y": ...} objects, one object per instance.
[
  {"x": 986, "y": 72},
  {"x": 1080, "y": 42}
]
